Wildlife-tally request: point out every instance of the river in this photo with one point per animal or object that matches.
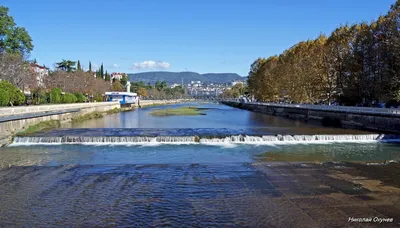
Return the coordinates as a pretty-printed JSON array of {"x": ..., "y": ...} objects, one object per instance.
[{"x": 135, "y": 169}]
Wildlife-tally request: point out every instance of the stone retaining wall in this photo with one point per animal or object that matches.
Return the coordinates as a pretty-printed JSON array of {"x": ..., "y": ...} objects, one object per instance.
[
  {"x": 9, "y": 128},
  {"x": 384, "y": 123}
]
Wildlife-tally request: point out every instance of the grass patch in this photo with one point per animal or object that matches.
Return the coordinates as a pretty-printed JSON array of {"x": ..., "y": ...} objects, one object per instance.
[
  {"x": 182, "y": 111},
  {"x": 40, "y": 126},
  {"x": 114, "y": 110},
  {"x": 92, "y": 115}
]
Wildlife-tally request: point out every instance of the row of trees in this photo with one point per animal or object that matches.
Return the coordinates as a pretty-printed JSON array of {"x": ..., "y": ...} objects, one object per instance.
[
  {"x": 356, "y": 64},
  {"x": 160, "y": 90},
  {"x": 235, "y": 92},
  {"x": 69, "y": 82}
]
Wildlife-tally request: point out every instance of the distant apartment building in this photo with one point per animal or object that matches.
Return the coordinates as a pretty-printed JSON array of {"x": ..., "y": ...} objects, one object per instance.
[{"x": 40, "y": 72}]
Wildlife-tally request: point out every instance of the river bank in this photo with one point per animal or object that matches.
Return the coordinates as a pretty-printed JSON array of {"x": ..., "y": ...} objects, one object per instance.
[
  {"x": 367, "y": 119},
  {"x": 30, "y": 119}
]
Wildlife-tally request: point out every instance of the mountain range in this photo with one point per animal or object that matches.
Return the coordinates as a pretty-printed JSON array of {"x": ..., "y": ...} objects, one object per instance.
[{"x": 187, "y": 77}]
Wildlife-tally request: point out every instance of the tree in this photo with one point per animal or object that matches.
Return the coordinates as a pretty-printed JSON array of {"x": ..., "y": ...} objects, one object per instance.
[
  {"x": 16, "y": 70},
  {"x": 68, "y": 98},
  {"x": 124, "y": 80},
  {"x": 13, "y": 96},
  {"x": 4, "y": 97},
  {"x": 355, "y": 64},
  {"x": 160, "y": 86},
  {"x": 141, "y": 92},
  {"x": 13, "y": 39},
  {"x": 79, "y": 68},
  {"x": 66, "y": 65},
  {"x": 90, "y": 66},
  {"x": 107, "y": 77},
  {"x": 117, "y": 86},
  {"x": 102, "y": 71},
  {"x": 55, "y": 96}
]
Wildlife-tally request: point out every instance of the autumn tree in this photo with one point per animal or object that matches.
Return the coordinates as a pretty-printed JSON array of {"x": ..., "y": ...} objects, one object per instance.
[{"x": 355, "y": 64}]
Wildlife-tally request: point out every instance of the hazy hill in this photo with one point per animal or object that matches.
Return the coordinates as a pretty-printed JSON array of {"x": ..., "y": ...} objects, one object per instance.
[{"x": 176, "y": 77}]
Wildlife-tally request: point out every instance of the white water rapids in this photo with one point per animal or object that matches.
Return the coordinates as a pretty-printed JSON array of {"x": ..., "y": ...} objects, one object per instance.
[{"x": 234, "y": 139}]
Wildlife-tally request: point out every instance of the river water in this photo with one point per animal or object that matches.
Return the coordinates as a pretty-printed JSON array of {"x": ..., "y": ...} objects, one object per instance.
[{"x": 135, "y": 169}]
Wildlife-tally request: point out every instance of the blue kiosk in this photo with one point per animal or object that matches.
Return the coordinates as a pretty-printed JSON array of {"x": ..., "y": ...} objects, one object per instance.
[{"x": 124, "y": 98}]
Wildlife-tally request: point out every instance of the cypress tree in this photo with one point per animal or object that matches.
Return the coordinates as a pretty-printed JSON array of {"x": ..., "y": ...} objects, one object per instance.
[
  {"x": 79, "y": 68},
  {"x": 90, "y": 66},
  {"x": 107, "y": 78},
  {"x": 102, "y": 71}
]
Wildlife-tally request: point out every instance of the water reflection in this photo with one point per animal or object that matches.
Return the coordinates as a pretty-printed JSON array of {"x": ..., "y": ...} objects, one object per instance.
[{"x": 218, "y": 116}]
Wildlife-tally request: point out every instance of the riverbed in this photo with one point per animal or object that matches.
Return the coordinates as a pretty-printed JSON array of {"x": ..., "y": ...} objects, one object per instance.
[{"x": 229, "y": 167}]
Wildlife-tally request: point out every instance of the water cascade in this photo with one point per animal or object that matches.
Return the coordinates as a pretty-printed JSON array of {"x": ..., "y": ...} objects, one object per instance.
[{"x": 233, "y": 139}]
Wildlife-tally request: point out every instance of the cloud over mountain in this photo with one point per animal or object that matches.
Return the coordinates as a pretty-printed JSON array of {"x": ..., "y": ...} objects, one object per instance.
[{"x": 151, "y": 65}]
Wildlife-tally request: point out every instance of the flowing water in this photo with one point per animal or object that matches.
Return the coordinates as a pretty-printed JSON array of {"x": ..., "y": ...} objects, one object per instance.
[{"x": 135, "y": 169}]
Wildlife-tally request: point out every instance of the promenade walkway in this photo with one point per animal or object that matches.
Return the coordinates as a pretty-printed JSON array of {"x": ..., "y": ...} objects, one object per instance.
[{"x": 349, "y": 109}]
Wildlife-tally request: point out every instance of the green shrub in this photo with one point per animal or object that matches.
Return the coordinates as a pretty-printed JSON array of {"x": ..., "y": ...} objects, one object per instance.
[
  {"x": 15, "y": 96},
  {"x": 4, "y": 97},
  {"x": 98, "y": 98},
  {"x": 55, "y": 96},
  {"x": 80, "y": 98},
  {"x": 40, "y": 97},
  {"x": 44, "y": 98},
  {"x": 69, "y": 98}
]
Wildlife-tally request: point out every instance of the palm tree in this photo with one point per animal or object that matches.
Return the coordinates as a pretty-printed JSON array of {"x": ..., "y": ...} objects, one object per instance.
[{"x": 66, "y": 65}]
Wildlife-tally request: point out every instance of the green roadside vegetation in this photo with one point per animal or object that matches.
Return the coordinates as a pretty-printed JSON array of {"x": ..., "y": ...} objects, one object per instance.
[
  {"x": 114, "y": 110},
  {"x": 40, "y": 127},
  {"x": 182, "y": 111},
  {"x": 45, "y": 125},
  {"x": 89, "y": 116}
]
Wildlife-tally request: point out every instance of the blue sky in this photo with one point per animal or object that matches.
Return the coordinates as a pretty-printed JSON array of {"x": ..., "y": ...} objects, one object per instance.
[{"x": 179, "y": 35}]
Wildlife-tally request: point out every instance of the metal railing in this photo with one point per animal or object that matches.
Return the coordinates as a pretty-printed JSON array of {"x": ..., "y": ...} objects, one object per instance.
[{"x": 351, "y": 109}]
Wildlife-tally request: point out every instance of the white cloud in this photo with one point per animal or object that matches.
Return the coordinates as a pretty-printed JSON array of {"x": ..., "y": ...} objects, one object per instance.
[
  {"x": 116, "y": 65},
  {"x": 150, "y": 65},
  {"x": 95, "y": 66}
]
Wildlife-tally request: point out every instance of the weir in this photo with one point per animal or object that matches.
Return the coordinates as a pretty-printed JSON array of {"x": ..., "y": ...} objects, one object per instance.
[{"x": 195, "y": 139}]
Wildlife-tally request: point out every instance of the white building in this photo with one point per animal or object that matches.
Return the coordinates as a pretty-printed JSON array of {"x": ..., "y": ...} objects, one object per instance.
[
  {"x": 174, "y": 85},
  {"x": 117, "y": 76},
  {"x": 40, "y": 72}
]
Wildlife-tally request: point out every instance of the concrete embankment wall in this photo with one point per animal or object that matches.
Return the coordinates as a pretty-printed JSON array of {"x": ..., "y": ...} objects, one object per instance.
[
  {"x": 379, "y": 122},
  {"x": 16, "y": 119},
  {"x": 6, "y": 111}
]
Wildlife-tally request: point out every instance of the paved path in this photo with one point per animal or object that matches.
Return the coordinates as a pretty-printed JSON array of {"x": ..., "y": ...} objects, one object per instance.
[
  {"x": 231, "y": 195},
  {"x": 347, "y": 109},
  {"x": 34, "y": 115}
]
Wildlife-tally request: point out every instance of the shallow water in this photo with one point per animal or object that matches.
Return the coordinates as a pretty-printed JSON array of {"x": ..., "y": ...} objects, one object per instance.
[
  {"x": 217, "y": 116},
  {"x": 181, "y": 153},
  {"x": 204, "y": 183}
]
